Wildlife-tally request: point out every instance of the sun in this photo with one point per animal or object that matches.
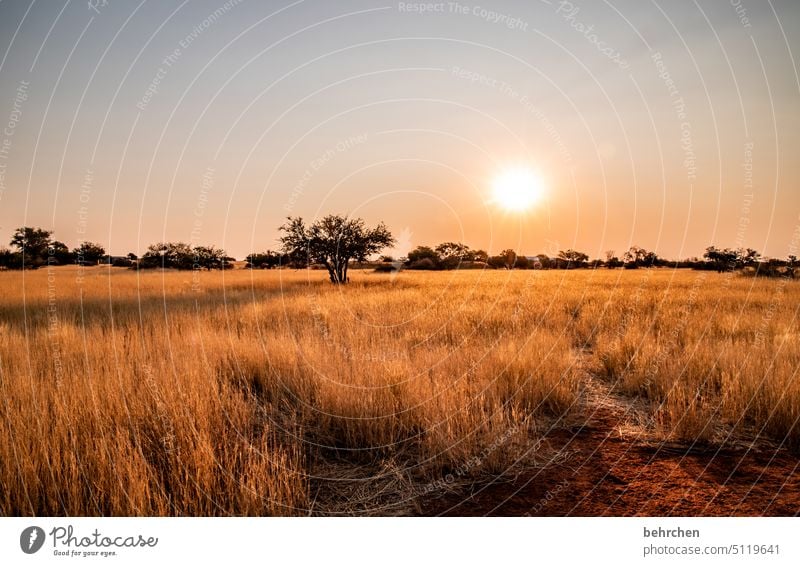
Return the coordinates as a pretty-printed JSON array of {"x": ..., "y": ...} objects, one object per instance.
[{"x": 517, "y": 189}]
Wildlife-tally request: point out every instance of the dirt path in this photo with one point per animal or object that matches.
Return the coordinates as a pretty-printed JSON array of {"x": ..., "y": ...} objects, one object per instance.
[{"x": 612, "y": 466}]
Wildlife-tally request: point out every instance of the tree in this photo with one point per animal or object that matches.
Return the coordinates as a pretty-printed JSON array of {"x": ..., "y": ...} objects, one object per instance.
[
  {"x": 721, "y": 259},
  {"x": 425, "y": 263},
  {"x": 453, "y": 253},
  {"x": 544, "y": 261},
  {"x": 334, "y": 241},
  {"x": 612, "y": 260},
  {"x": 423, "y": 257},
  {"x": 124, "y": 261},
  {"x": 747, "y": 257},
  {"x": 509, "y": 258},
  {"x": 9, "y": 259},
  {"x": 176, "y": 255},
  {"x": 58, "y": 254},
  {"x": 497, "y": 262},
  {"x": 640, "y": 257},
  {"x": 210, "y": 257},
  {"x": 89, "y": 253},
  {"x": 422, "y": 252},
  {"x": 632, "y": 255},
  {"x": 32, "y": 243},
  {"x": 265, "y": 260},
  {"x": 480, "y": 255},
  {"x": 573, "y": 258}
]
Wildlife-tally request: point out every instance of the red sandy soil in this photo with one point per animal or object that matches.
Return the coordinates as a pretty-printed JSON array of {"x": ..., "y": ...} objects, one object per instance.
[{"x": 605, "y": 472}]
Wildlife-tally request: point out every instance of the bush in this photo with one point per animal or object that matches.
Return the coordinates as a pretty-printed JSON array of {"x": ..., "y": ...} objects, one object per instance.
[
  {"x": 421, "y": 253},
  {"x": 473, "y": 265},
  {"x": 425, "y": 263}
]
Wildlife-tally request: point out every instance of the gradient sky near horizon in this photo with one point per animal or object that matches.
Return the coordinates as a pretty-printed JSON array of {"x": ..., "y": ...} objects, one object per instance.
[{"x": 668, "y": 125}]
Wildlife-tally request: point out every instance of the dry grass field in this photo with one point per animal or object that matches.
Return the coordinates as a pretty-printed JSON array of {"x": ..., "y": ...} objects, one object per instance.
[{"x": 274, "y": 392}]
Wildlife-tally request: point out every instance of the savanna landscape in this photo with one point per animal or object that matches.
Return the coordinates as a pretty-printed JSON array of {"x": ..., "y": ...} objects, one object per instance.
[
  {"x": 302, "y": 258},
  {"x": 252, "y": 392}
]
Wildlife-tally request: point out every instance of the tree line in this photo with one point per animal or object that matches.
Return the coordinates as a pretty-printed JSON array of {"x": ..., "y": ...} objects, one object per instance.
[
  {"x": 338, "y": 243},
  {"x": 32, "y": 248},
  {"x": 452, "y": 255}
]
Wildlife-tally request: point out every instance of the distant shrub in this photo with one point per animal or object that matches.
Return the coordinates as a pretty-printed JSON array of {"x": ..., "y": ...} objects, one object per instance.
[
  {"x": 473, "y": 265},
  {"x": 425, "y": 263},
  {"x": 422, "y": 253},
  {"x": 122, "y": 262}
]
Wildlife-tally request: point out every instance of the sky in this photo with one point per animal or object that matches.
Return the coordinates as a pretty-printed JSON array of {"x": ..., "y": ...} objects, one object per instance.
[{"x": 667, "y": 125}]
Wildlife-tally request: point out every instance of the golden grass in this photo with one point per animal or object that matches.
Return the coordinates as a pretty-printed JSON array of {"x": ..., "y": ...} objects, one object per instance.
[
  {"x": 716, "y": 355},
  {"x": 249, "y": 393}
]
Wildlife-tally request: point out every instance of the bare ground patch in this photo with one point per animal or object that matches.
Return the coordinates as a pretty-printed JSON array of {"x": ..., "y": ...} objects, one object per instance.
[{"x": 615, "y": 465}]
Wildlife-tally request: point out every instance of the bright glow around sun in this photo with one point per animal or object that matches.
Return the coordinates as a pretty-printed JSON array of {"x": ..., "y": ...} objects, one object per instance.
[{"x": 517, "y": 189}]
